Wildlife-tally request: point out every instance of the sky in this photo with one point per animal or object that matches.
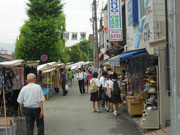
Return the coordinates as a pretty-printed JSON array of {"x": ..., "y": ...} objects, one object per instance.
[{"x": 13, "y": 16}]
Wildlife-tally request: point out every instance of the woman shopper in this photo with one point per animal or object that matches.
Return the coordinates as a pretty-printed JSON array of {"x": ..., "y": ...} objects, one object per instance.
[
  {"x": 94, "y": 90},
  {"x": 115, "y": 92},
  {"x": 108, "y": 83}
]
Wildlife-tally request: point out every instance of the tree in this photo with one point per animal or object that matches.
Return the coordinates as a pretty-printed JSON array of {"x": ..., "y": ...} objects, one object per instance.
[
  {"x": 42, "y": 33},
  {"x": 85, "y": 47},
  {"x": 78, "y": 52}
]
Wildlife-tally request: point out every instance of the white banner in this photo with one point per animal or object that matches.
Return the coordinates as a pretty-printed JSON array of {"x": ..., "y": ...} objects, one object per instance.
[
  {"x": 82, "y": 35},
  {"x": 74, "y": 36},
  {"x": 66, "y": 36},
  {"x": 115, "y": 20}
]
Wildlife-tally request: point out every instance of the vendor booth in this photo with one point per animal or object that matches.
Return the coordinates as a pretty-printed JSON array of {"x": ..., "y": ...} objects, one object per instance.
[
  {"x": 12, "y": 79},
  {"x": 47, "y": 71}
]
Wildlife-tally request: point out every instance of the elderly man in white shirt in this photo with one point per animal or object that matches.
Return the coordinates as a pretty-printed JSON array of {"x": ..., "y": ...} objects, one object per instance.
[{"x": 31, "y": 99}]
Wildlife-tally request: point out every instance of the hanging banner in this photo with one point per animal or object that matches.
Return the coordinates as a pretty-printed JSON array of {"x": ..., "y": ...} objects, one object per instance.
[
  {"x": 106, "y": 21},
  {"x": 115, "y": 20},
  {"x": 82, "y": 35},
  {"x": 66, "y": 36},
  {"x": 74, "y": 36}
]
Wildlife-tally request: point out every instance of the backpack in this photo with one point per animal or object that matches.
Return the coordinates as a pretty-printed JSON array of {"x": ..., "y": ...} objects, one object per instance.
[
  {"x": 116, "y": 89},
  {"x": 93, "y": 87}
]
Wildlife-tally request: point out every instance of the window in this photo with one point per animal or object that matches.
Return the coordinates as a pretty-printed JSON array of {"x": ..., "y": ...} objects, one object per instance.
[{"x": 142, "y": 9}]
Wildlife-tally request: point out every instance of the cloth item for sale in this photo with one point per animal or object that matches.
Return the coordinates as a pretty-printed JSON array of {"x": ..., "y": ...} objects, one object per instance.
[
  {"x": 149, "y": 108},
  {"x": 6, "y": 76},
  {"x": 152, "y": 90},
  {"x": 151, "y": 70},
  {"x": 152, "y": 81},
  {"x": 1, "y": 78},
  {"x": 18, "y": 81}
]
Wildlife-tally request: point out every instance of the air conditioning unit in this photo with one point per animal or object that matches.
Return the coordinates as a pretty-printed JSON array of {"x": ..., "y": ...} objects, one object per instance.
[{"x": 125, "y": 48}]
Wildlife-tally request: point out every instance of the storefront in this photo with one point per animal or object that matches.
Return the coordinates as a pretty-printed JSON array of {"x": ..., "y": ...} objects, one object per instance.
[{"x": 143, "y": 87}]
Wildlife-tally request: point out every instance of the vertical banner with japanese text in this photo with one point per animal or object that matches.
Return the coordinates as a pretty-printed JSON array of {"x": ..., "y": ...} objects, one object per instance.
[{"x": 115, "y": 20}]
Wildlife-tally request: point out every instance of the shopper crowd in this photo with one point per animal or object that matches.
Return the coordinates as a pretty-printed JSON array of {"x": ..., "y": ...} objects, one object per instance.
[{"x": 104, "y": 89}]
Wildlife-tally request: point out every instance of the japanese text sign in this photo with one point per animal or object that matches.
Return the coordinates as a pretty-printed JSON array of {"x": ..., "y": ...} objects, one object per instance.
[{"x": 115, "y": 20}]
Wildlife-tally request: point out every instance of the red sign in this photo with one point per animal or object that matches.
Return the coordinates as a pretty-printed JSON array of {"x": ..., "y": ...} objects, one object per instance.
[{"x": 44, "y": 57}]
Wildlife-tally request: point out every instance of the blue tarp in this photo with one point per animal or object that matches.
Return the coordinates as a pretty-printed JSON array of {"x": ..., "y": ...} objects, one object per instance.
[
  {"x": 115, "y": 61},
  {"x": 128, "y": 54}
]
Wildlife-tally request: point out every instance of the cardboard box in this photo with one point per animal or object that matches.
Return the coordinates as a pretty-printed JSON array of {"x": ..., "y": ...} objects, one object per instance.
[
  {"x": 4, "y": 122},
  {"x": 135, "y": 107}
]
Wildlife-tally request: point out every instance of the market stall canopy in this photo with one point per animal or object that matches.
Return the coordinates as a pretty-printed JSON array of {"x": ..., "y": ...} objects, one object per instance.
[
  {"x": 61, "y": 64},
  {"x": 12, "y": 63},
  {"x": 49, "y": 70},
  {"x": 75, "y": 65},
  {"x": 47, "y": 66},
  {"x": 31, "y": 63}
]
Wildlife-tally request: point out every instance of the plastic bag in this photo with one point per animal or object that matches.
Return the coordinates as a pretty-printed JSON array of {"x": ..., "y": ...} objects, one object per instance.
[{"x": 67, "y": 87}]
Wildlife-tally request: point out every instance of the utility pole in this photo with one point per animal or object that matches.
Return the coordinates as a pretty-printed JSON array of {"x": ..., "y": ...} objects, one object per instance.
[
  {"x": 95, "y": 31},
  {"x": 173, "y": 16},
  {"x": 92, "y": 20}
]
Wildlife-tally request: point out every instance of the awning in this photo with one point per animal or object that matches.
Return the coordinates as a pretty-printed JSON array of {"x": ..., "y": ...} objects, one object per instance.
[
  {"x": 47, "y": 66},
  {"x": 12, "y": 63},
  {"x": 115, "y": 61},
  {"x": 128, "y": 54}
]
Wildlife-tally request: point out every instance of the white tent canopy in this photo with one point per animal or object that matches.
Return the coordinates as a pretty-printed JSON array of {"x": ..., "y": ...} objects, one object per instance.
[
  {"x": 49, "y": 70},
  {"x": 12, "y": 63},
  {"x": 47, "y": 66},
  {"x": 76, "y": 65}
]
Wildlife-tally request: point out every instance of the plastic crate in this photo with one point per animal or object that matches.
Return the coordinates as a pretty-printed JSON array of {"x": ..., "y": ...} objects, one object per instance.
[{"x": 11, "y": 130}]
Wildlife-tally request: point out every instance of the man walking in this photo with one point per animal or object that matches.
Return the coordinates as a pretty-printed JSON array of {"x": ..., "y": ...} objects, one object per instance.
[
  {"x": 31, "y": 98},
  {"x": 80, "y": 78},
  {"x": 63, "y": 82},
  {"x": 56, "y": 82},
  {"x": 70, "y": 77}
]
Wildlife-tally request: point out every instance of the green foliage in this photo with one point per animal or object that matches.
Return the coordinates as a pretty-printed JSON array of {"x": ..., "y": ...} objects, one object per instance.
[
  {"x": 78, "y": 52},
  {"x": 42, "y": 33}
]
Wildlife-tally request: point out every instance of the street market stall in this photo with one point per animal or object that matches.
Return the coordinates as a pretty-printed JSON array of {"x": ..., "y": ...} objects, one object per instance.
[
  {"x": 6, "y": 85},
  {"x": 12, "y": 79},
  {"x": 47, "y": 70}
]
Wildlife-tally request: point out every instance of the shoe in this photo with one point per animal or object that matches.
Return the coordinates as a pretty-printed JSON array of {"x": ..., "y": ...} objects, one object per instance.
[
  {"x": 84, "y": 94},
  {"x": 107, "y": 109},
  {"x": 93, "y": 110},
  {"x": 111, "y": 110},
  {"x": 98, "y": 110},
  {"x": 115, "y": 113}
]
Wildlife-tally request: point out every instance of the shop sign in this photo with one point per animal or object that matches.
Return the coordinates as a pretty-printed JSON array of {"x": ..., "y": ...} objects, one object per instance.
[
  {"x": 106, "y": 21},
  {"x": 115, "y": 20},
  {"x": 91, "y": 38}
]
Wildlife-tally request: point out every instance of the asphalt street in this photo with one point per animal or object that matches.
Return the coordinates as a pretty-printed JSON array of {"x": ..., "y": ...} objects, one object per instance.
[{"x": 72, "y": 115}]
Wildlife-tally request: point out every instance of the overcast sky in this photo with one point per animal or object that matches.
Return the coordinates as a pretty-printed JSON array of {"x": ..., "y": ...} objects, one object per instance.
[{"x": 13, "y": 15}]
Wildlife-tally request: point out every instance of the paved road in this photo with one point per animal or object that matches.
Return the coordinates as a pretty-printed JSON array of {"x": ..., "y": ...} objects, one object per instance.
[{"x": 71, "y": 115}]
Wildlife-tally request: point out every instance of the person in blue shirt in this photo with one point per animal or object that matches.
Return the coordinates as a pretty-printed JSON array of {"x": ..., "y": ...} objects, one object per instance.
[{"x": 86, "y": 80}]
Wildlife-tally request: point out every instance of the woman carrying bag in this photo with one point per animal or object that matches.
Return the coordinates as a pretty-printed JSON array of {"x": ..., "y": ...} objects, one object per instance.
[{"x": 94, "y": 90}]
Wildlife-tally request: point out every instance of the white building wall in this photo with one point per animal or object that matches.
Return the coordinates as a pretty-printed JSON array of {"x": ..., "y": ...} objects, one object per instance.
[{"x": 153, "y": 28}]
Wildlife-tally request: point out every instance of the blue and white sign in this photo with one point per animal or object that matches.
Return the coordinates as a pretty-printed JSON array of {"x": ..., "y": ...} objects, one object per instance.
[{"x": 115, "y": 20}]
